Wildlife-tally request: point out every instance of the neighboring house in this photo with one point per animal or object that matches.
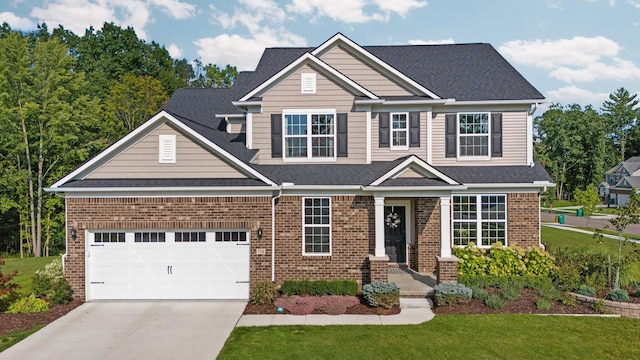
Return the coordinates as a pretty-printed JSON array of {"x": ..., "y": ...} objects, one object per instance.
[
  {"x": 331, "y": 162},
  {"x": 621, "y": 178}
]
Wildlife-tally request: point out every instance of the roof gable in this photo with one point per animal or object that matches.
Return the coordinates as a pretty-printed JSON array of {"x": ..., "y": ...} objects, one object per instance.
[
  {"x": 416, "y": 168},
  {"x": 135, "y": 136}
]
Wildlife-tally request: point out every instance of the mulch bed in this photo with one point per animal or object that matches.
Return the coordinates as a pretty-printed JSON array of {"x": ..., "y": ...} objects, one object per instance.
[
  {"x": 21, "y": 322},
  {"x": 360, "y": 309},
  {"x": 525, "y": 305}
]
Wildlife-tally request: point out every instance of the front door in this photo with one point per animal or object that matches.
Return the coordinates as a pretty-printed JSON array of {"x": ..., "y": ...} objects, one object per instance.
[{"x": 395, "y": 235}]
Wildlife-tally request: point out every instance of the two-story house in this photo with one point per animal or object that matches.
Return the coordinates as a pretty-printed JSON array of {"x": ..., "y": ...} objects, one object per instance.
[
  {"x": 333, "y": 162},
  {"x": 620, "y": 179}
]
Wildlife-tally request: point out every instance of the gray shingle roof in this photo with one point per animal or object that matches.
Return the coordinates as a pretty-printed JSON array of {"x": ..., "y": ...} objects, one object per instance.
[
  {"x": 496, "y": 174},
  {"x": 632, "y": 165}
]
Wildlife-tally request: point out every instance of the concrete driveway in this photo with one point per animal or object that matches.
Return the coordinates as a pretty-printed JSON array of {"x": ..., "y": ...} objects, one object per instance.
[{"x": 134, "y": 330}]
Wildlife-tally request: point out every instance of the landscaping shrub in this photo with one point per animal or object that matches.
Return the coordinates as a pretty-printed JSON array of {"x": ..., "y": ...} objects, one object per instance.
[
  {"x": 264, "y": 292},
  {"x": 380, "y": 293},
  {"x": 8, "y": 289},
  {"x": 304, "y": 305},
  {"x": 28, "y": 305},
  {"x": 551, "y": 294},
  {"x": 618, "y": 295},
  {"x": 479, "y": 293},
  {"x": 531, "y": 282},
  {"x": 568, "y": 300},
  {"x": 586, "y": 290},
  {"x": 503, "y": 261},
  {"x": 319, "y": 287},
  {"x": 451, "y": 293},
  {"x": 511, "y": 293},
  {"x": 543, "y": 304},
  {"x": 494, "y": 301},
  {"x": 51, "y": 283}
]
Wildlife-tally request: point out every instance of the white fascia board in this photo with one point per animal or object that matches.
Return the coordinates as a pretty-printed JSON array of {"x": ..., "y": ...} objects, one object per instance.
[
  {"x": 495, "y": 102},
  {"x": 418, "y": 102},
  {"x": 165, "y": 191},
  {"x": 150, "y": 123},
  {"x": 396, "y": 189},
  {"x": 420, "y": 163},
  {"x": 321, "y": 187},
  {"x": 295, "y": 64},
  {"x": 533, "y": 185},
  {"x": 339, "y": 37},
  {"x": 229, "y": 115},
  {"x": 246, "y": 103}
]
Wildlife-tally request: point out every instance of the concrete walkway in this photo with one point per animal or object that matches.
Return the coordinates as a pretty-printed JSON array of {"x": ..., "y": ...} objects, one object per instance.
[
  {"x": 125, "y": 330},
  {"x": 412, "y": 311}
]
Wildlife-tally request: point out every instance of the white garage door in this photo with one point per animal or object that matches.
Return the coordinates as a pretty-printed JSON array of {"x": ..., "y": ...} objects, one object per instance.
[
  {"x": 622, "y": 199},
  {"x": 168, "y": 265}
]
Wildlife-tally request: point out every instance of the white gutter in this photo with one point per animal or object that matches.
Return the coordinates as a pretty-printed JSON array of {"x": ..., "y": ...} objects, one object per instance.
[
  {"x": 495, "y": 102},
  {"x": 413, "y": 188},
  {"x": 229, "y": 115},
  {"x": 246, "y": 103},
  {"x": 534, "y": 184}
]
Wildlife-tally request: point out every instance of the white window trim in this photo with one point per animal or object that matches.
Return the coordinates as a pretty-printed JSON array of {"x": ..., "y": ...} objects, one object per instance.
[
  {"x": 458, "y": 135},
  {"x": 406, "y": 131},
  {"x": 330, "y": 225},
  {"x": 167, "y": 149},
  {"x": 309, "y": 136},
  {"x": 308, "y": 83},
  {"x": 479, "y": 220}
]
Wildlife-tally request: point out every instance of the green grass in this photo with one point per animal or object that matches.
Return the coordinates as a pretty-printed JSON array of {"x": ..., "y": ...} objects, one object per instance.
[
  {"x": 26, "y": 268},
  {"x": 7, "y": 341},
  {"x": 562, "y": 203},
  {"x": 446, "y": 336},
  {"x": 558, "y": 238}
]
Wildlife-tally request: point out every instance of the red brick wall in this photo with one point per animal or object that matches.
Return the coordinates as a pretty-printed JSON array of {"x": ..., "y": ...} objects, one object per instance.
[
  {"x": 427, "y": 245},
  {"x": 379, "y": 269},
  {"x": 447, "y": 270},
  {"x": 167, "y": 213},
  {"x": 523, "y": 214},
  {"x": 352, "y": 240}
]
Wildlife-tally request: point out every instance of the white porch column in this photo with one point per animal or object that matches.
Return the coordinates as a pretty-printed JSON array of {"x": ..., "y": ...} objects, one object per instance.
[
  {"x": 379, "y": 221},
  {"x": 445, "y": 226}
]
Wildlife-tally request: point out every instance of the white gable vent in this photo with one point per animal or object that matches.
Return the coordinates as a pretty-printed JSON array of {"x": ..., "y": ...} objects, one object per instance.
[
  {"x": 167, "y": 149},
  {"x": 308, "y": 83}
]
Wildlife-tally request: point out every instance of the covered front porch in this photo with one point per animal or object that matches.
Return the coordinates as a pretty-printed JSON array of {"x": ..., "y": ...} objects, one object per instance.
[{"x": 413, "y": 233}]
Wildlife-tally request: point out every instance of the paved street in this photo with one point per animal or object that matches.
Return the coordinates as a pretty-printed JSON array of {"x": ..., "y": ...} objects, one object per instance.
[{"x": 594, "y": 222}]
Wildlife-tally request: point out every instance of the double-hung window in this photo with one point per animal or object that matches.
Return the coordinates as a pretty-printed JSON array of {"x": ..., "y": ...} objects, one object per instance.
[
  {"x": 481, "y": 219},
  {"x": 316, "y": 225},
  {"x": 399, "y": 131},
  {"x": 473, "y": 133},
  {"x": 309, "y": 134}
]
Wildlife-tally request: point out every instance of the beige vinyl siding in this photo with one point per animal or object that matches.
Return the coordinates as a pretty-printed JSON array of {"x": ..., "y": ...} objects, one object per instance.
[
  {"x": 236, "y": 126},
  {"x": 362, "y": 73},
  {"x": 386, "y": 154},
  {"x": 140, "y": 161},
  {"x": 287, "y": 95},
  {"x": 514, "y": 142},
  {"x": 410, "y": 173}
]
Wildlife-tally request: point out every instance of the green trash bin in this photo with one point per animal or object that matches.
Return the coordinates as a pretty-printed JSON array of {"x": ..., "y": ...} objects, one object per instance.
[
  {"x": 560, "y": 219},
  {"x": 579, "y": 212}
]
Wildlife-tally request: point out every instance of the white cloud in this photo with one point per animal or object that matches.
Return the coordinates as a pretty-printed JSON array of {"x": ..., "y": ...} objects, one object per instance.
[
  {"x": 634, "y": 3},
  {"x": 243, "y": 52},
  {"x": 17, "y": 22},
  {"x": 555, "y": 4},
  {"x": 251, "y": 15},
  {"x": 574, "y": 95},
  {"x": 549, "y": 54},
  {"x": 431, "y": 42},
  {"x": 175, "y": 51},
  {"x": 353, "y": 11},
  {"x": 618, "y": 70},
  {"x": 175, "y": 8}
]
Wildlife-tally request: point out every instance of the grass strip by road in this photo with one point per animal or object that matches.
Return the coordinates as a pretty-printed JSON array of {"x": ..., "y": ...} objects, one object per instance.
[
  {"x": 446, "y": 336},
  {"x": 6, "y": 341}
]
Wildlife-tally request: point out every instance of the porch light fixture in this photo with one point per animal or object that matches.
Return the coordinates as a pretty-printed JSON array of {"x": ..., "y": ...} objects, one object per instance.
[
  {"x": 260, "y": 233},
  {"x": 74, "y": 233}
]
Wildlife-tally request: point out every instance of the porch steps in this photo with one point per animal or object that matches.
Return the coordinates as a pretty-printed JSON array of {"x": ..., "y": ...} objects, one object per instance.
[{"x": 412, "y": 284}]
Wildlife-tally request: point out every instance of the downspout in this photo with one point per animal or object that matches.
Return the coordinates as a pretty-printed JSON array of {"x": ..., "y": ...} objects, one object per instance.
[
  {"x": 66, "y": 229},
  {"x": 273, "y": 233}
]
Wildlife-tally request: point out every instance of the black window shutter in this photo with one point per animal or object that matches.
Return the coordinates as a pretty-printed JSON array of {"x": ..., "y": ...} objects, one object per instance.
[
  {"x": 496, "y": 134},
  {"x": 276, "y": 135},
  {"x": 414, "y": 129},
  {"x": 383, "y": 130},
  {"x": 342, "y": 135},
  {"x": 450, "y": 131}
]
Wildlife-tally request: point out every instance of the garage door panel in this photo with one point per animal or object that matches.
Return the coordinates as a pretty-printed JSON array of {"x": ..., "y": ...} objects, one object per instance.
[{"x": 168, "y": 270}]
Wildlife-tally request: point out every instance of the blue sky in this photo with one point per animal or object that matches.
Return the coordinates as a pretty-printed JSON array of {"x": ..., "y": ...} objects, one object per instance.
[{"x": 573, "y": 51}]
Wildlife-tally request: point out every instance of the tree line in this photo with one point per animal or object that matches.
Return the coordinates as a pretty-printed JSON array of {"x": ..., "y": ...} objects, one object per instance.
[
  {"x": 64, "y": 98},
  {"x": 577, "y": 145}
]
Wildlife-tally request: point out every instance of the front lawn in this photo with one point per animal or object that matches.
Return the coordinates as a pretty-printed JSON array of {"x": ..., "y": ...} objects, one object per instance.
[
  {"x": 446, "y": 336},
  {"x": 26, "y": 268},
  {"x": 555, "y": 238},
  {"x": 6, "y": 341}
]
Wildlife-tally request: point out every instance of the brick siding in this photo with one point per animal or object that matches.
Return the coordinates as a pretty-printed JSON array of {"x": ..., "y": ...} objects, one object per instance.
[
  {"x": 447, "y": 270},
  {"x": 427, "y": 247},
  {"x": 523, "y": 224}
]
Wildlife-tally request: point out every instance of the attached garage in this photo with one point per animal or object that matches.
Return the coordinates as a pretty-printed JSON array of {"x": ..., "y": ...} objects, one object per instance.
[{"x": 193, "y": 264}]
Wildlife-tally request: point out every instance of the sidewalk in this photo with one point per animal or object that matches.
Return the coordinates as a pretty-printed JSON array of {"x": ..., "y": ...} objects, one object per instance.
[{"x": 412, "y": 311}]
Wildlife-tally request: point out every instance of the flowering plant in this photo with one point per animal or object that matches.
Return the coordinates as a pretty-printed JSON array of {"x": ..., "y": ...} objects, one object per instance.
[{"x": 393, "y": 220}]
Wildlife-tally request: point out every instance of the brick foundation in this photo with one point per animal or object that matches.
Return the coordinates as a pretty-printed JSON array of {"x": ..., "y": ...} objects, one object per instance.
[
  {"x": 447, "y": 269},
  {"x": 523, "y": 219},
  {"x": 379, "y": 268}
]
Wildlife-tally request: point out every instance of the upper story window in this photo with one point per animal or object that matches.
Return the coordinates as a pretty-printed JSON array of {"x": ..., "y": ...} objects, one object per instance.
[
  {"x": 473, "y": 133},
  {"x": 399, "y": 131},
  {"x": 309, "y": 134},
  {"x": 308, "y": 83}
]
